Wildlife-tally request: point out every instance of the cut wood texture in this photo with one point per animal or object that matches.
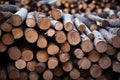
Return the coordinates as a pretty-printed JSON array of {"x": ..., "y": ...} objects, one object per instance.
[
  {"x": 31, "y": 65},
  {"x": 52, "y": 62},
  {"x": 50, "y": 32},
  {"x": 68, "y": 66},
  {"x": 110, "y": 50},
  {"x": 20, "y": 64},
  {"x": 24, "y": 75},
  {"x": 48, "y": 75},
  {"x": 64, "y": 57},
  {"x": 116, "y": 66},
  {"x": 33, "y": 76},
  {"x": 65, "y": 47},
  {"x": 42, "y": 42},
  {"x": 17, "y": 33},
  {"x": 56, "y": 14},
  {"x": 75, "y": 73},
  {"x": 2, "y": 47},
  {"x": 40, "y": 67},
  {"x": 78, "y": 53}
]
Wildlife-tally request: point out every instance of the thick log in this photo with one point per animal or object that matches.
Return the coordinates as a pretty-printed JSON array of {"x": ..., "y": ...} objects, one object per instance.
[
  {"x": 17, "y": 18},
  {"x": 110, "y": 50},
  {"x": 78, "y": 53},
  {"x": 74, "y": 74},
  {"x": 5, "y": 15},
  {"x": 48, "y": 75},
  {"x": 111, "y": 38},
  {"x": 116, "y": 66},
  {"x": 3, "y": 47},
  {"x": 95, "y": 71},
  {"x": 20, "y": 64},
  {"x": 99, "y": 42},
  {"x": 52, "y": 62},
  {"x": 114, "y": 22},
  {"x": 118, "y": 56},
  {"x": 68, "y": 66},
  {"x": 60, "y": 37},
  {"x": 17, "y": 33},
  {"x": 64, "y": 57},
  {"x": 30, "y": 20},
  {"x": 56, "y": 14},
  {"x": 14, "y": 53},
  {"x": 40, "y": 67},
  {"x": 31, "y": 35},
  {"x": 33, "y": 76},
  {"x": 42, "y": 56},
  {"x": 31, "y": 65},
  {"x": 42, "y": 42},
  {"x": 58, "y": 71},
  {"x": 11, "y": 8},
  {"x": 52, "y": 49},
  {"x": 115, "y": 31},
  {"x": 86, "y": 44},
  {"x": 104, "y": 62},
  {"x": 3, "y": 74},
  {"x": 94, "y": 56},
  {"x": 67, "y": 20},
  {"x": 84, "y": 63},
  {"x": 65, "y": 47}
]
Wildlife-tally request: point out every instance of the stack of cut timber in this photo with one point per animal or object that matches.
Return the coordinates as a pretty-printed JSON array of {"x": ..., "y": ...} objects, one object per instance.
[{"x": 59, "y": 43}]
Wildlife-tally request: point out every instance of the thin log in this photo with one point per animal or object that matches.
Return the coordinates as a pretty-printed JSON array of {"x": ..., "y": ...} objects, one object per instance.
[
  {"x": 23, "y": 75},
  {"x": 58, "y": 71},
  {"x": 110, "y": 50},
  {"x": 17, "y": 33},
  {"x": 84, "y": 63},
  {"x": 31, "y": 65},
  {"x": 94, "y": 56},
  {"x": 17, "y": 18},
  {"x": 20, "y": 64},
  {"x": 111, "y": 38},
  {"x": 50, "y": 32},
  {"x": 60, "y": 37},
  {"x": 48, "y": 75},
  {"x": 78, "y": 53},
  {"x": 52, "y": 62},
  {"x": 116, "y": 66},
  {"x": 40, "y": 67},
  {"x": 30, "y": 20},
  {"x": 31, "y": 35},
  {"x": 95, "y": 71},
  {"x": 64, "y": 57},
  {"x": 42, "y": 56},
  {"x": 86, "y": 44},
  {"x": 99, "y": 42},
  {"x": 74, "y": 74},
  {"x": 65, "y": 47},
  {"x": 118, "y": 56},
  {"x": 3, "y": 47},
  {"x": 14, "y": 53},
  {"x": 68, "y": 66},
  {"x": 52, "y": 49},
  {"x": 33, "y": 76},
  {"x": 104, "y": 62},
  {"x": 5, "y": 15},
  {"x": 42, "y": 42}
]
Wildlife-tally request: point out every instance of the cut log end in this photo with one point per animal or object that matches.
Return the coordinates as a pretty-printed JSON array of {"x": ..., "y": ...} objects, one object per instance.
[
  {"x": 65, "y": 47},
  {"x": 116, "y": 66},
  {"x": 2, "y": 47},
  {"x": 81, "y": 28},
  {"x": 67, "y": 67},
  {"x": 105, "y": 23},
  {"x": 42, "y": 42},
  {"x": 58, "y": 26},
  {"x": 93, "y": 27},
  {"x": 16, "y": 20},
  {"x": 31, "y": 65},
  {"x": 68, "y": 26},
  {"x": 20, "y": 64},
  {"x": 48, "y": 75},
  {"x": 78, "y": 53},
  {"x": 30, "y": 22},
  {"x": 17, "y": 33},
  {"x": 6, "y": 27},
  {"x": 52, "y": 62},
  {"x": 50, "y": 32},
  {"x": 40, "y": 67},
  {"x": 74, "y": 74},
  {"x": 56, "y": 14},
  {"x": 101, "y": 47},
  {"x": 116, "y": 42},
  {"x": 110, "y": 50},
  {"x": 90, "y": 36}
]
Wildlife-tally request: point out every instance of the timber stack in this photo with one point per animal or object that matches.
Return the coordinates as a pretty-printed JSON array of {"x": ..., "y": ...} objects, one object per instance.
[{"x": 59, "y": 40}]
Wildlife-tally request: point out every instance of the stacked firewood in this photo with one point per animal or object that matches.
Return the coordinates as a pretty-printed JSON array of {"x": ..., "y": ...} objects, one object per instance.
[{"x": 63, "y": 40}]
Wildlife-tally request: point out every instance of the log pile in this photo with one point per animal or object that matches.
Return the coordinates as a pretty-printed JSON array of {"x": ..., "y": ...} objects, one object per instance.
[{"x": 63, "y": 40}]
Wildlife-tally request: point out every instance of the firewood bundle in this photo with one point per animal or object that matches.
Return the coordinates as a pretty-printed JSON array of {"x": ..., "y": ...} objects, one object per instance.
[{"x": 53, "y": 43}]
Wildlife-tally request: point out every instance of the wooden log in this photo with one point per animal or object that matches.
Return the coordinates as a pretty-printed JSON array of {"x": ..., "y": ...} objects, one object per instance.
[
  {"x": 94, "y": 56},
  {"x": 31, "y": 35},
  {"x": 74, "y": 74},
  {"x": 50, "y": 32},
  {"x": 111, "y": 38},
  {"x": 33, "y": 76},
  {"x": 86, "y": 44},
  {"x": 3, "y": 74},
  {"x": 31, "y": 65},
  {"x": 30, "y": 20},
  {"x": 14, "y": 53},
  {"x": 64, "y": 57},
  {"x": 114, "y": 22},
  {"x": 73, "y": 37},
  {"x": 68, "y": 66},
  {"x": 6, "y": 26},
  {"x": 118, "y": 56},
  {"x": 40, "y": 67},
  {"x": 84, "y": 63},
  {"x": 17, "y": 33},
  {"x": 99, "y": 42},
  {"x": 17, "y": 18},
  {"x": 67, "y": 20},
  {"x": 56, "y": 14},
  {"x": 5, "y": 15},
  {"x": 52, "y": 62},
  {"x": 78, "y": 53},
  {"x": 110, "y": 50},
  {"x": 57, "y": 24},
  {"x": 20, "y": 64},
  {"x": 42, "y": 56},
  {"x": 48, "y": 75},
  {"x": 115, "y": 31},
  {"x": 58, "y": 71},
  {"x": 11, "y": 8},
  {"x": 103, "y": 14},
  {"x": 13, "y": 73},
  {"x": 42, "y": 42},
  {"x": 3, "y": 47},
  {"x": 65, "y": 47},
  {"x": 97, "y": 18},
  {"x": 52, "y": 49},
  {"x": 116, "y": 66},
  {"x": 112, "y": 14},
  {"x": 60, "y": 37},
  {"x": 95, "y": 71},
  {"x": 104, "y": 62},
  {"x": 79, "y": 25},
  {"x": 23, "y": 75}
]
